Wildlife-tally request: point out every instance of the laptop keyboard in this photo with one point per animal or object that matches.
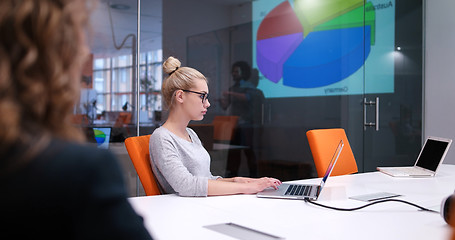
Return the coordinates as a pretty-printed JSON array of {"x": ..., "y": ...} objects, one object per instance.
[{"x": 298, "y": 190}]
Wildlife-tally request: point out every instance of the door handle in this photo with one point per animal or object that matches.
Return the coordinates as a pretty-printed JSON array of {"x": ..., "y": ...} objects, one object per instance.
[{"x": 371, "y": 124}]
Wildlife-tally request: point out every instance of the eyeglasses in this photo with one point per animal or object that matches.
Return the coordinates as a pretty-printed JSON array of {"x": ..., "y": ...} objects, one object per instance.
[{"x": 204, "y": 96}]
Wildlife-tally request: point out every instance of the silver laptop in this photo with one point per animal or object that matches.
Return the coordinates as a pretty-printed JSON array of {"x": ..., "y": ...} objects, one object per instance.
[
  {"x": 303, "y": 191},
  {"x": 430, "y": 157}
]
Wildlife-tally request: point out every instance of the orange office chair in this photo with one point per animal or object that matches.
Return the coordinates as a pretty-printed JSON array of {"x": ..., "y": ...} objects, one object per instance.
[
  {"x": 138, "y": 150},
  {"x": 323, "y": 143},
  {"x": 124, "y": 118}
]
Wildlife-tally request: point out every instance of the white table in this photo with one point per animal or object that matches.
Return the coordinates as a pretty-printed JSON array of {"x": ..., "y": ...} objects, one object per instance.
[{"x": 174, "y": 217}]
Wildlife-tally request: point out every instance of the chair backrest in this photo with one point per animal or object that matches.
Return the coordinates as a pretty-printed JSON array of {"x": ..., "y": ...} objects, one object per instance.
[
  {"x": 223, "y": 127},
  {"x": 122, "y": 119},
  {"x": 323, "y": 143},
  {"x": 138, "y": 150}
]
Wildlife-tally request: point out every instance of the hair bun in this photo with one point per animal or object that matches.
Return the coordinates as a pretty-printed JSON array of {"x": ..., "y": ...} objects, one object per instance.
[{"x": 171, "y": 64}]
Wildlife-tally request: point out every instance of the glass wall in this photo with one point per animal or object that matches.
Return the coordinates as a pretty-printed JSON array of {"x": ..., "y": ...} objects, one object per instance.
[
  {"x": 300, "y": 65},
  {"x": 112, "y": 108},
  {"x": 113, "y": 82},
  {"x": 355, "y": 65}
]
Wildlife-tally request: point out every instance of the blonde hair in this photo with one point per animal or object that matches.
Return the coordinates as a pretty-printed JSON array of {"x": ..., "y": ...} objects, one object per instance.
[
  {"x": 180, "y": 78},
  {"x": 41, "y": 57}
]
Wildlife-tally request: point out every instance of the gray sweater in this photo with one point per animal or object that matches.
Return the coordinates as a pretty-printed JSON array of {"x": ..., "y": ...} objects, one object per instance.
[{"x": 180, "y": 166}]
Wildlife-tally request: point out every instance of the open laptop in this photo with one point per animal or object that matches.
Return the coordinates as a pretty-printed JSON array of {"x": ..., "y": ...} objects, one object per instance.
[
  {"x": 303, "y": 191},
  {"x": 430, "y": 157}
]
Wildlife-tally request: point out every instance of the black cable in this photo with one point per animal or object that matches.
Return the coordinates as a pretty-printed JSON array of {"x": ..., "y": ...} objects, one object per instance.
[{"x": 369, "y": 204}]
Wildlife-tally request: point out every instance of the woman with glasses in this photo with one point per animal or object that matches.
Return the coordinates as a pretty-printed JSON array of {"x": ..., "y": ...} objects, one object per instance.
[{"x": 179, "y": 161}]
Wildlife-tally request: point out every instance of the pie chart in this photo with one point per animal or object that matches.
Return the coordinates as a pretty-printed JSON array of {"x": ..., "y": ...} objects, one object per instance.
[
  {"x": 100, "y": 136},
  {"x": 315, "y": 43}
]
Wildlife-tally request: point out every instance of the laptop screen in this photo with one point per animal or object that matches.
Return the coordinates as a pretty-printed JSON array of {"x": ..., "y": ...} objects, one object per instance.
[
  {"x": 433, "y": 153},
  {"x": 102, "y": 136},
  {"x": 332, "y": 162}
]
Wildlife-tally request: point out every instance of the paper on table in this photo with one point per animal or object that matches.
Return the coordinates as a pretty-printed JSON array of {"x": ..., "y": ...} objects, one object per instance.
[{"x": 374, "y": 196}]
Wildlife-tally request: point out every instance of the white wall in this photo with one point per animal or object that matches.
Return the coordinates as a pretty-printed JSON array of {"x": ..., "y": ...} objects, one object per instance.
[
  {"x": 199, "y": 17},
  {"x": 439, "y": 116}
]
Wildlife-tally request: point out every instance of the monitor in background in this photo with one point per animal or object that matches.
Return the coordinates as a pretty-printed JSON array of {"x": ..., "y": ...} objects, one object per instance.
[{"x": 102, "y": 136}]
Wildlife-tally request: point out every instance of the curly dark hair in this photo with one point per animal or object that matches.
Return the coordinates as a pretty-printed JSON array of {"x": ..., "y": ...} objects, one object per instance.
[{"x": 42, "y": 50}]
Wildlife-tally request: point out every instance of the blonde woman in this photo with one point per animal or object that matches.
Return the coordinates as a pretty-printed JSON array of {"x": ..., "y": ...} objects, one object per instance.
[{"x": 179, "y": 161}]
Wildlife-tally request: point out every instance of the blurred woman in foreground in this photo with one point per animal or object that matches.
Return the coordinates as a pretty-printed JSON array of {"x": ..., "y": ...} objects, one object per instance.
[{"x": 53, "y": 186}]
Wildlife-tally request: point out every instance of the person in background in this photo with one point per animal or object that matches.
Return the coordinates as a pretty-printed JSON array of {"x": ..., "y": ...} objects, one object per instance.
[
  {"x": 179, "y": 161},
  {"x": 53, "y": 186},
  {"x": 244, "y": 100},
  {"x": 87, "y": 99}
]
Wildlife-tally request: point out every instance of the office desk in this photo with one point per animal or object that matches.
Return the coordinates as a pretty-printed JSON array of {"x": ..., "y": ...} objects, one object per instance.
[{"x": 174, "y": 217}]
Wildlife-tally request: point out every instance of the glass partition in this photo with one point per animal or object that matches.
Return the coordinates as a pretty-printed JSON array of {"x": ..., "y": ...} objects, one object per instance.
[
  {"x": 109, "y": 99},
  {"x": 354, "y": 65},
  {"x": 299, "y": 64}
]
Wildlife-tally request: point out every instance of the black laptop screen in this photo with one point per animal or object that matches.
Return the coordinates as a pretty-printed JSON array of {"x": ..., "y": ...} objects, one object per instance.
[{"x": 431, "y": 154}]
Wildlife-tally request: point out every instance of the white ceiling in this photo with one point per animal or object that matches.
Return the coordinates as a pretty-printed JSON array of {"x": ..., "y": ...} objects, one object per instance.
[{"x": 124, "y": 23}]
